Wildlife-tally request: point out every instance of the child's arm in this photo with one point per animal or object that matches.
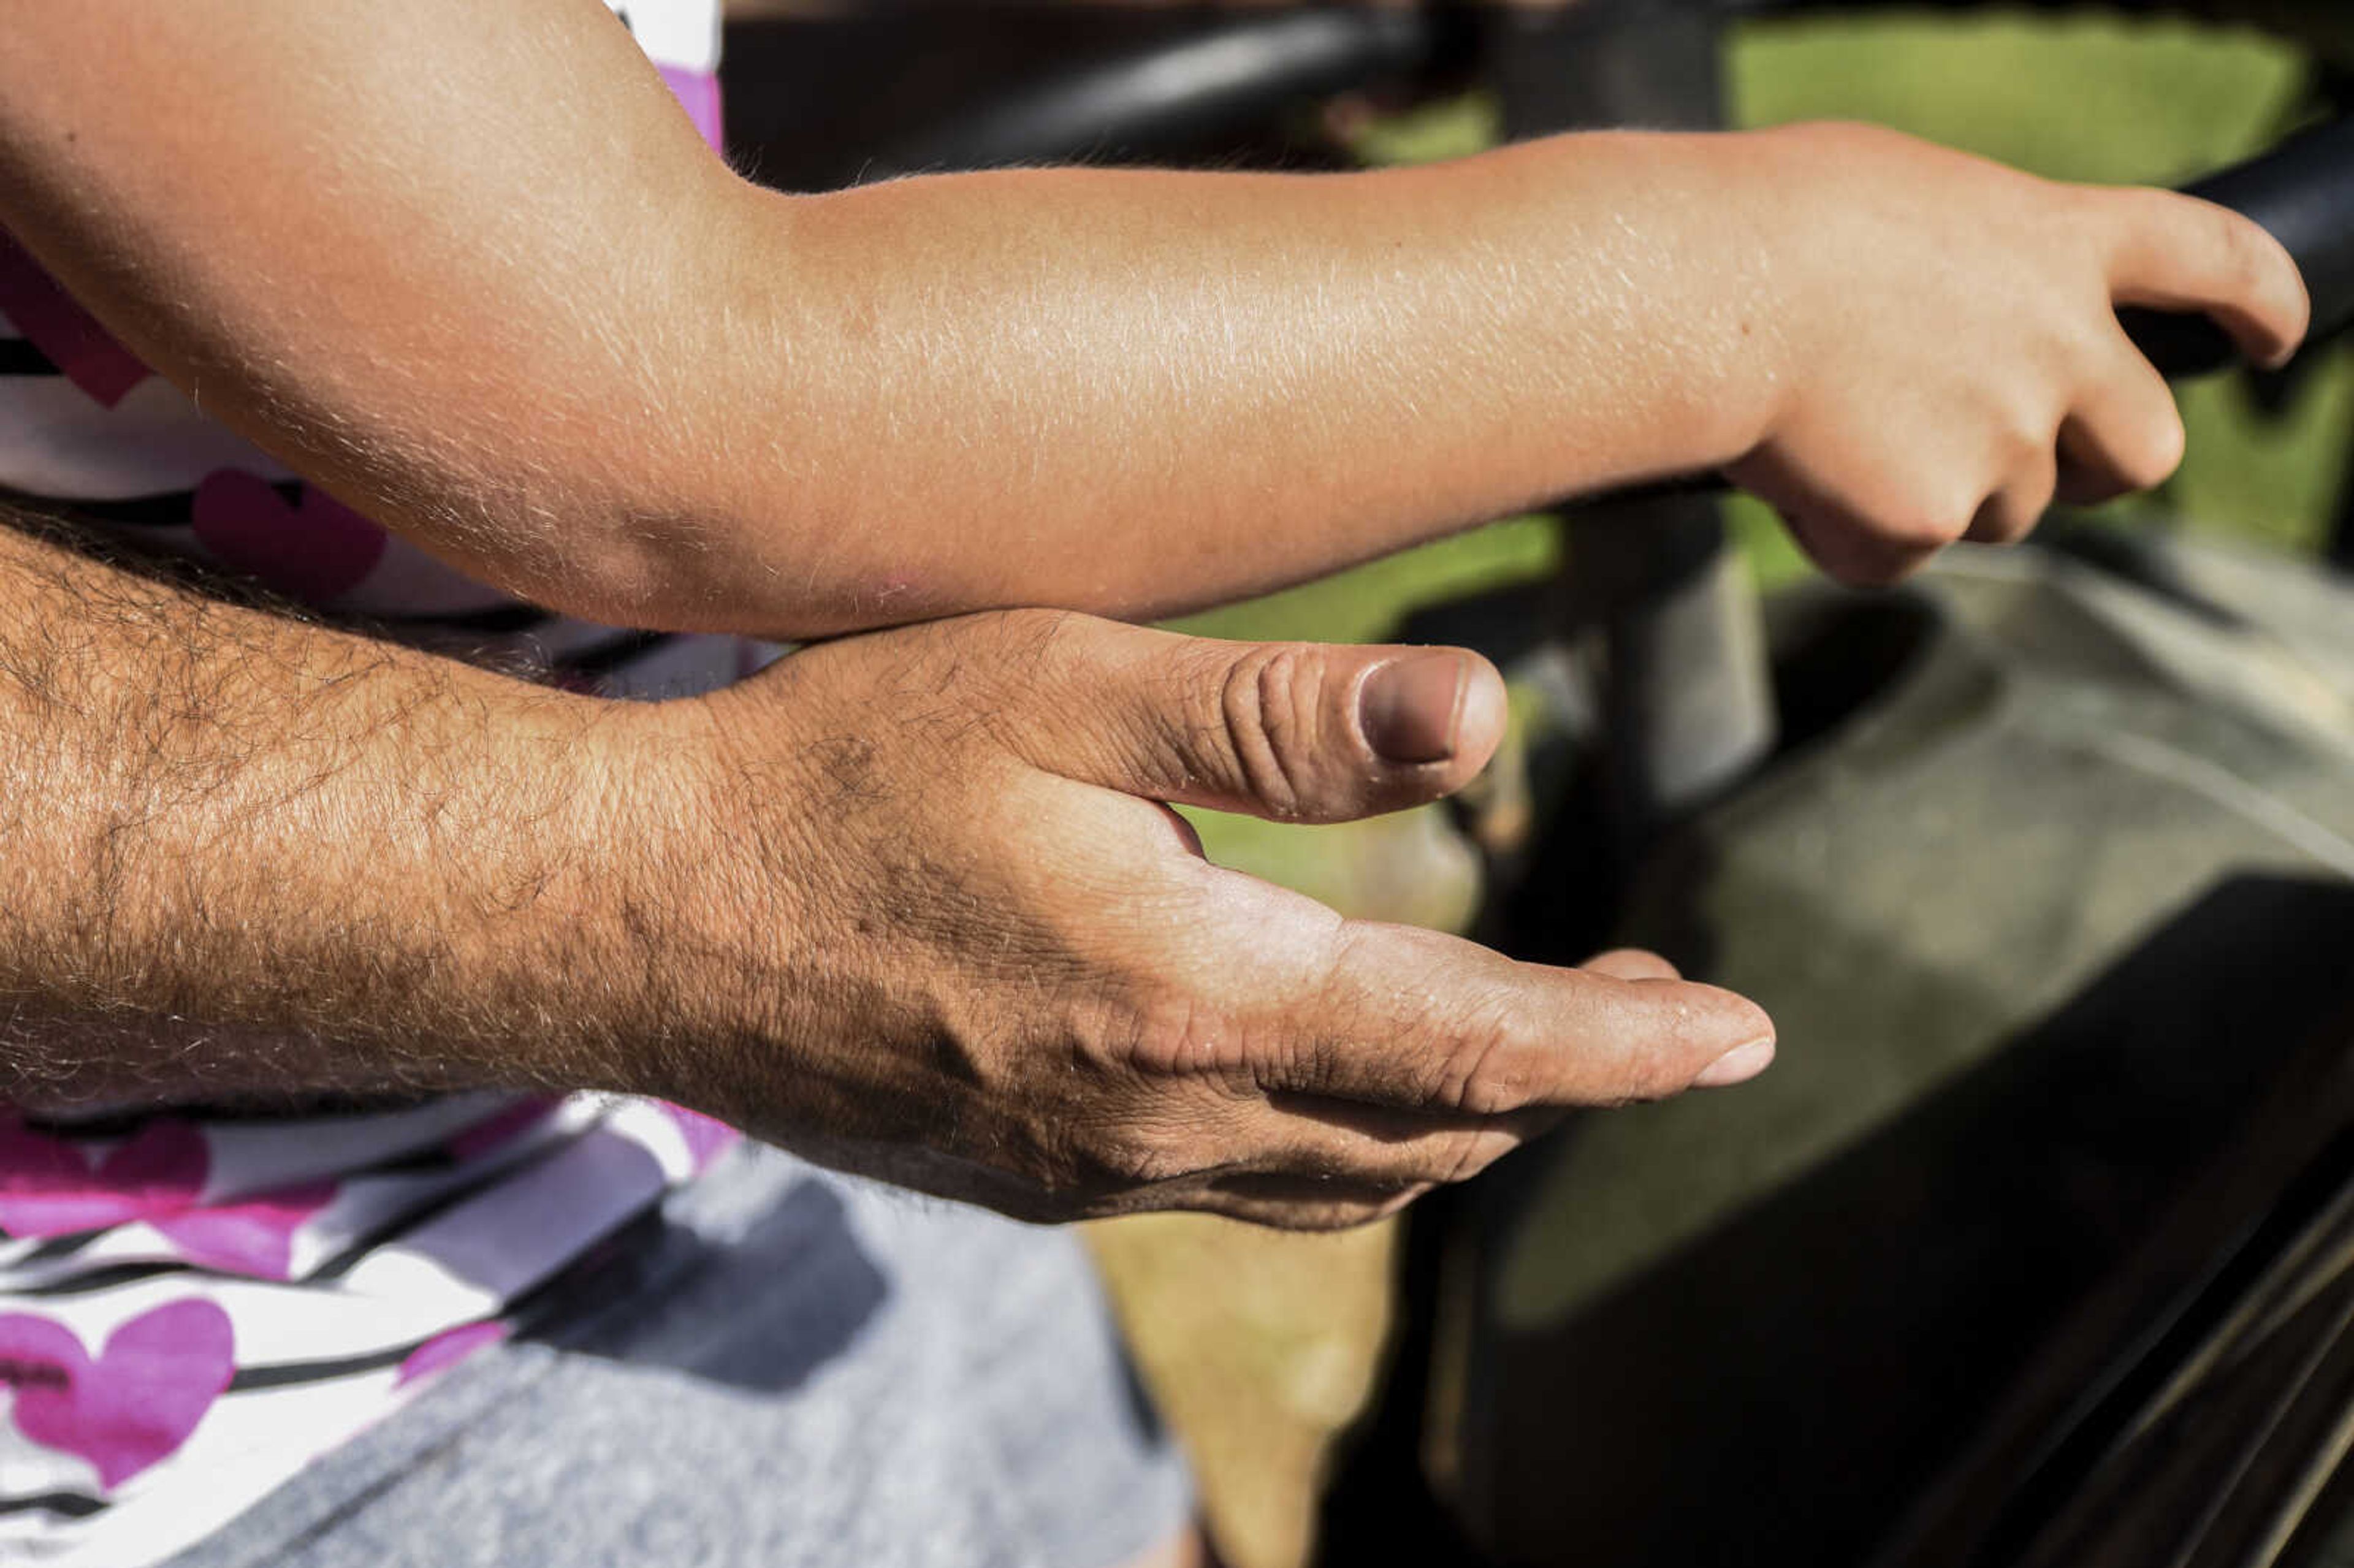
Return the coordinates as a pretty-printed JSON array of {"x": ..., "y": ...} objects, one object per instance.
[{"x": 468, "y": 265}]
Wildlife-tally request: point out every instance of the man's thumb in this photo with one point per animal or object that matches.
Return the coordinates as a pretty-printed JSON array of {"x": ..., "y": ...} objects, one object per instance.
[{"x": 1299, "y": 731}]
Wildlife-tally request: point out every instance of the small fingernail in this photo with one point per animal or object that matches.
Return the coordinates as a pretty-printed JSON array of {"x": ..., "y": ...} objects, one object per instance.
[
  {"x": 1411, "y": 707},
  {"x": 1737, "y": 1066}
]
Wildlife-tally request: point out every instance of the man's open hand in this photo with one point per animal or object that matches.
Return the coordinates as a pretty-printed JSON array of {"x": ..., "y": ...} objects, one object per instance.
[{"x": 986, "y": 961}]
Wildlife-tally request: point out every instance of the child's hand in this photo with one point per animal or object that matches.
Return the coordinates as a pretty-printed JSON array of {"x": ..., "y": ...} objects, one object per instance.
[{"x": 1945, "y": 355}]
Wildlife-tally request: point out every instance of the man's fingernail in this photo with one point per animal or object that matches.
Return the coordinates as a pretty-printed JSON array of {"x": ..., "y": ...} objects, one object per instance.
[
  {"x": 1411, "y": 707},
  {"x": 1737, "y": 1066}
]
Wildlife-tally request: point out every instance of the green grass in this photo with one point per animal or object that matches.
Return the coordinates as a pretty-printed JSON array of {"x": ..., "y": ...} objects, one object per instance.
[
  {"x": 2099, "y": 100},
  {"x": 1361, "y": 606}
]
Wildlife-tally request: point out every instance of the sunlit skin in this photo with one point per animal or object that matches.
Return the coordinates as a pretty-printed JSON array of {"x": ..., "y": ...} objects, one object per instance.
[
  {"x": 909, "y": 903},
  {"x": 471, "y": 266},
  {"x": 913, "y": 903}
]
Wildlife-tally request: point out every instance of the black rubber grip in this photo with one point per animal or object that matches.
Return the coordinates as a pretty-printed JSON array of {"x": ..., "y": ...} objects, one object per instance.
[{"x": 2303, "y": 192}]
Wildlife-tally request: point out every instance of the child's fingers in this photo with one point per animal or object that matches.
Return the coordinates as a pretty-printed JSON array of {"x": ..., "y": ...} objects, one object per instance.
[
  {"x": 2124, "y": 437},
  {"x": 2173, "y": 252},
  {"x": 2011, "y": 512}
]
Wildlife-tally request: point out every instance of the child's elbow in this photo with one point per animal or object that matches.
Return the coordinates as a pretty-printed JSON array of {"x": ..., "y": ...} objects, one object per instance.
[{"x": 657, "y": 577}]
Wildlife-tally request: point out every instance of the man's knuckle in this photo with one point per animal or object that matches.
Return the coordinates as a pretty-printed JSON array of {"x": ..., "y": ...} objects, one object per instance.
[
  {"x": 1268, "y": 703},
  {"x": 1174, "y": 1035},
  {"x": 1137, "y": 1156},
  {"x": 1485, "y": 1074},
  {"x": 1107, "y": 1143}
]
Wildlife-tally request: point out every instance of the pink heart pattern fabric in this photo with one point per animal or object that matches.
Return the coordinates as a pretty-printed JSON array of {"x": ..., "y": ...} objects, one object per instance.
[
  {"x": 445, "y": 1351},
  {"x": 707, "y": 1137},
  {"x": 68, "y": 336},
  {"x": 697, "y": 93},
  {"x": 48, "y": 1188},
  {"x": 254, "y": 1238},
  {"x": 133, "y": 1406},
  {"x": 316, "y": 549}
]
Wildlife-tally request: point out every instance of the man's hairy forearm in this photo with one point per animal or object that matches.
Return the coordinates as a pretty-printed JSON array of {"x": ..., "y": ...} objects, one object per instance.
[{"x": 241, "y": 855}]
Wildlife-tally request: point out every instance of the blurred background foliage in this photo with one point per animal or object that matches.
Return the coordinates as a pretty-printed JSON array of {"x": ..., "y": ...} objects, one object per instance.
[{"x": 1260, "y": 1346}]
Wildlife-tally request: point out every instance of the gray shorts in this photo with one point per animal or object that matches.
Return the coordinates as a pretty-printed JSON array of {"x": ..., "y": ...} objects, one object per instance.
[{"x": 796, "y": 1371}]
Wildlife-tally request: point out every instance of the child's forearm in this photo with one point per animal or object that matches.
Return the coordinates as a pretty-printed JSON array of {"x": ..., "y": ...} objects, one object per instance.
[
  {"x": 1134, "y": 394},
  {"x": 496, "y": 295},
  {"x": 1137, "y": 393},
  {"x": 470, "y": 267}
]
